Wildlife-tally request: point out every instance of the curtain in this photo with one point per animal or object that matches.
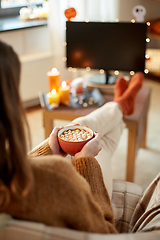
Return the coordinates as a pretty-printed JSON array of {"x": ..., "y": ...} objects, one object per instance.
[{"x": 93, "y": 10}]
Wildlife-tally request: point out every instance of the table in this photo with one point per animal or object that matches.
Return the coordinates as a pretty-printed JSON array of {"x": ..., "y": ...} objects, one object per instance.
[{"x": 136, "y": 124}]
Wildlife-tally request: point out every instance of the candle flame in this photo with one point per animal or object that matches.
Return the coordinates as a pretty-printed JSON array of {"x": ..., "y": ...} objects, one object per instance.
[
  {"x": 54, "y": 70},
  {"x": 63, "y": 84},
  {"x": 53, "y": 91}
]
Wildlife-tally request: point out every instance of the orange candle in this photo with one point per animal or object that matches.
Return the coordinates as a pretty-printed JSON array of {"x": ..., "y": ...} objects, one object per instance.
[
  {"x": 54, "y": 79},
  {"x": 53, "y": 97},
  {"x": 64, "y": 91}
]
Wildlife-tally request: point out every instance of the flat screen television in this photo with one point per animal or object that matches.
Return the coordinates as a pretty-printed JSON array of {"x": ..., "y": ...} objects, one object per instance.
[{"x": 106, "y": 45}]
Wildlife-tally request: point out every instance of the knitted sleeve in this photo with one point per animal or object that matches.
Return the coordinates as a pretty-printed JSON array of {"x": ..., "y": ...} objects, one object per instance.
[
  {"x": 90, "y": 169},
  {"x": 70, "y": 201},
  {"x": 41, "y": 149},
  {"x": 63, "y": 198}
]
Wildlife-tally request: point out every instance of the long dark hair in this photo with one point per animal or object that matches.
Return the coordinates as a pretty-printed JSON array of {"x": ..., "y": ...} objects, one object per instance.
[{"x": 15, "y": 171}]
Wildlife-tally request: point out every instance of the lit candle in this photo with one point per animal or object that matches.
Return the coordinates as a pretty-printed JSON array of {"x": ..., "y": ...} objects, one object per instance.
[
  {"x": 64, "y": 91},
  {"x": 53, "y": 97},
  {"x": 54, "y": 79}
]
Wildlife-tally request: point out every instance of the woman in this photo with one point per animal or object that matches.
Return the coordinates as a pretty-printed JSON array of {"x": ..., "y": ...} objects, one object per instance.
[{"x": 50, "y": 189}]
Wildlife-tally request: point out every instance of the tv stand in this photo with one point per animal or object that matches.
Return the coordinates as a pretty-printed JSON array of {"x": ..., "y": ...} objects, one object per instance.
[
  {"x": 102, "y": 79},
  {"x": 111, "y": 79}
]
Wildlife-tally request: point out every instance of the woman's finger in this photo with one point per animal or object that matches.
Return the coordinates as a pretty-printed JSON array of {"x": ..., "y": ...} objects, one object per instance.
[
  {"x": 73, "y": 124},
  {"x": 55, "y": 130}
]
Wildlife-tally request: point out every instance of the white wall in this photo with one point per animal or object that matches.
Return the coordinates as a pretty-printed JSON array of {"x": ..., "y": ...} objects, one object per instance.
[
  {"x": 152, "y": 12},
  {"x": 29, "y": 40},
  {"x": 126, "y": 6},
  {"x": 34, "y": 49}
]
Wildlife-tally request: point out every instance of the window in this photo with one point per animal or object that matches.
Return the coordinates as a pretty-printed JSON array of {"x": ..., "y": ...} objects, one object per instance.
[{"x": 9, "y": 8}]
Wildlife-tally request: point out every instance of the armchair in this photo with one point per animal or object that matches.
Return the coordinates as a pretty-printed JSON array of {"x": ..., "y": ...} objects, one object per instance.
[
  {"x": 136, "y": 213},
  {"x": 125, "y": 198}
]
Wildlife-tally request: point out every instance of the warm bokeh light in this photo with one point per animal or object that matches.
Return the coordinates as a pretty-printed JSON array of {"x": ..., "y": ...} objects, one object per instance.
[
  {"x": 64, "y": 59},
  {"x": 101, "y": 71},
  {"x": 116, "y": 72},
  {"x": 148, "y": 24},
  {"x": 146, "y": 71},
  {"x": 132, "y": 73},
  {"x": 88, "y": 68},
  {"x": 147, "y": 56}
]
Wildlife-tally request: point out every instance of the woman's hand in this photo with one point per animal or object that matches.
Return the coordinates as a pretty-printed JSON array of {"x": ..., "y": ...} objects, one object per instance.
[
  {"x": 53, "y": 141},
  {"x": 54, "y": 144},
  {"x": 91, "y": 148}
]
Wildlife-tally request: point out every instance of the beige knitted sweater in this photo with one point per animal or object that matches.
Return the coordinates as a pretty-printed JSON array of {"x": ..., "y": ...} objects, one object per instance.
[{"x": 69, "y": 195}]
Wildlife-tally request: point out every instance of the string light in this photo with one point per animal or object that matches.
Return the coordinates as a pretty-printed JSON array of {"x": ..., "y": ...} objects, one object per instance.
[
  {"x": 146, "y": 71},
  {"x": 87, "y": 20},
  {"x": 88, "y": 69},
  {"x": 148, "y": 23},
  {"x": 147, "y": 56},
  {"x": 101, "y": 71},
  {"x": 116, "y": 72},
  {"x": 133, "y": 21},
  {"x": 132, "y": 73},
  {"x": 64, "y": 59},
  {"x": 70, "y": 69},
  {"x": 116, "y": 20},
  {"x": 147, "y": 40},
  {"x": 65, "y": 44}
]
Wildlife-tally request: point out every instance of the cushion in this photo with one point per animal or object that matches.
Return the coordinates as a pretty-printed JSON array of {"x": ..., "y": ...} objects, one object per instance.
[
  {"x": 125, "y": 194},
  {"x": 125, "y": 197},
  {"x": 146, "y": 216}
]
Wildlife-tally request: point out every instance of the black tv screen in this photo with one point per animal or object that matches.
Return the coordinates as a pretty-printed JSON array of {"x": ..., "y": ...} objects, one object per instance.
[{"x": 106, "y": 45}]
